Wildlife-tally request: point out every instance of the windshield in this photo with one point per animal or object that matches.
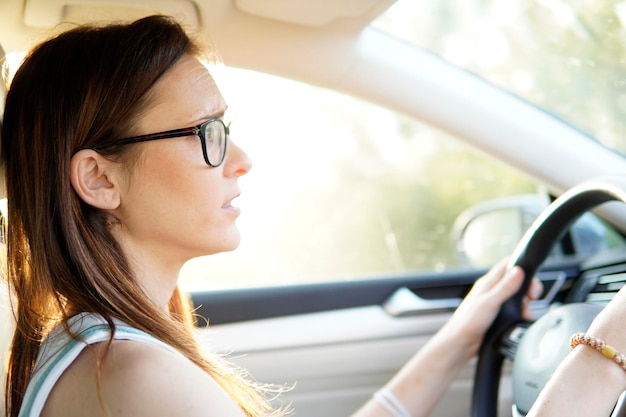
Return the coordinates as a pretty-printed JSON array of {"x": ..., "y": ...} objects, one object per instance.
[{"x": 566, "y": 57}]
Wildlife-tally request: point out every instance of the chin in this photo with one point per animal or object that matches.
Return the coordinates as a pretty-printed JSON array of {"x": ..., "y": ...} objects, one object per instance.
[
  {"x": 230, "y": 242},
  {"x": 226, "y": 241}
]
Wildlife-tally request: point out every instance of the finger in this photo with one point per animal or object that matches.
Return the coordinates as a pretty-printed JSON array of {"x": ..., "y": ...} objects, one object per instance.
[
  {"x": 494, "y": 275},
  {"x": 535, "y": 289},
  {"x": 508, "y": 285},
  {"x": 534, "y": 292},
  {"x": 526, "y": 312}
]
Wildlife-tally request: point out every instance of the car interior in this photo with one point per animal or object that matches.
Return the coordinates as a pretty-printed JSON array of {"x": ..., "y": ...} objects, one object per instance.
[{"x": 336, "y": 337}]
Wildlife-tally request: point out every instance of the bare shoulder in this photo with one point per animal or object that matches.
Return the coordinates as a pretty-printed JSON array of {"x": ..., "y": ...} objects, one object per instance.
[{"x": 137, "y": 379}]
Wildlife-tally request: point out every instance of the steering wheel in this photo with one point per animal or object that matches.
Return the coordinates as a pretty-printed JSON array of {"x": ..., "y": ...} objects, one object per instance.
[{"x": 501, "y": 340}]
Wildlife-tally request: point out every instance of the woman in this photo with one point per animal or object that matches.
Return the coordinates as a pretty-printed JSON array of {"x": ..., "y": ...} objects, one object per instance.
[{"x": 119, "y": 169}]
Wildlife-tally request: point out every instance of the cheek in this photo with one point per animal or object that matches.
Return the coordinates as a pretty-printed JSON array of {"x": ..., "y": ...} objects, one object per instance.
[
  {"x": 173, "y": 188},
  {"x": 177, "y": 167},
  {"x": 188, "y": 192},
  {"x": 166, "y": 183}
]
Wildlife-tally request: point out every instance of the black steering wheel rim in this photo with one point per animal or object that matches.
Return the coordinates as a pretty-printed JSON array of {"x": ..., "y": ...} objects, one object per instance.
[{"x": 529, "y": 254}]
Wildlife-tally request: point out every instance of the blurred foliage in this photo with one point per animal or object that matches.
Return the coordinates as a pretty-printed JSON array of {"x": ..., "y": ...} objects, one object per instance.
[
  {"x": 396, "y": 187},
  {"x": 565, "y": 56},
  {"x": 367, "y": 192}
]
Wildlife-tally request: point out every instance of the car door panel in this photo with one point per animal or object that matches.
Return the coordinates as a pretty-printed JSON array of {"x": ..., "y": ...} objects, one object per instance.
[
  {"x": 335, "y": 352},
  {"x": 226, "y": 306}
]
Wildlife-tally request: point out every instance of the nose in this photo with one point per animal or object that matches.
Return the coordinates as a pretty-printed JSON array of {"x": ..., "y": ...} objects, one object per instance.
[{"x": 237, "y": 162}]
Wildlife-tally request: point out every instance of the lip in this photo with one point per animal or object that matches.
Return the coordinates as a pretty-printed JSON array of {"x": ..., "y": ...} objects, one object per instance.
[{"x": 229, "y": 207}]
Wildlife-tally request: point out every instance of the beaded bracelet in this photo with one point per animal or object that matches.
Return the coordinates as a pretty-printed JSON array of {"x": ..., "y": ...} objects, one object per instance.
[
  {"x": 600, "y": 346},
  {"x": 391, "y": 403}
]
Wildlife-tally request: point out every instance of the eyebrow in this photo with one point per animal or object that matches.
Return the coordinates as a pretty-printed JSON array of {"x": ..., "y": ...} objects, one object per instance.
[{"x": 218, "y": 115}]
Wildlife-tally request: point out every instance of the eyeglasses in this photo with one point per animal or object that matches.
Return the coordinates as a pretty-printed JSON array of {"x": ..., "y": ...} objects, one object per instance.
[{"x": 213, "y": 135}]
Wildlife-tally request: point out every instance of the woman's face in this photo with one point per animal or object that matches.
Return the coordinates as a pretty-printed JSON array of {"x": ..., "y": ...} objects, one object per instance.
[{"x": 174, "y": 206}]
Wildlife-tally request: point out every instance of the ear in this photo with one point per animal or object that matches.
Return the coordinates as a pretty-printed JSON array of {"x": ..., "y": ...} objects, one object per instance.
[{"x": 93, "y": 177}]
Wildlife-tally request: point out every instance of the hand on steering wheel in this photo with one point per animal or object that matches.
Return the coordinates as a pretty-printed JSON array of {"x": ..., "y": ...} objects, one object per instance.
[
  {"x": 529, "y": 254},
  {"x": 482, "y": 304}
]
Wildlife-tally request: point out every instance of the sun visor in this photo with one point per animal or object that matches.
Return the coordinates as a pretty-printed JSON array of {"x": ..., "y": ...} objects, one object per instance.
[{"x": 50, "y": 13}]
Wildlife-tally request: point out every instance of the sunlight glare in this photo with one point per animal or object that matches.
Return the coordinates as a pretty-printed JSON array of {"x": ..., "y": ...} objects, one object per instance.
[{"x": 13, "y": 60}]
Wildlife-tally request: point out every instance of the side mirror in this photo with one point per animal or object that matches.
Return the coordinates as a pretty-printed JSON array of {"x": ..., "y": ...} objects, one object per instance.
[{"x": 489, "y": 231}]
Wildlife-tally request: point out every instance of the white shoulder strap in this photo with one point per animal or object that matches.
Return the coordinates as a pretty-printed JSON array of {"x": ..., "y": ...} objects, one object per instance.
[{"x": 60, "y": 350}]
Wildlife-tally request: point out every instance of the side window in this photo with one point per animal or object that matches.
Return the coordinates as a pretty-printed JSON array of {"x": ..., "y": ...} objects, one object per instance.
[{"x": 342, "y": 189}]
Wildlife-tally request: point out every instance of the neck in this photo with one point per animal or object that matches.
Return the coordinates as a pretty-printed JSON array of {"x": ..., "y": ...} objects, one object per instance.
[{"x": 155, "y": 273}]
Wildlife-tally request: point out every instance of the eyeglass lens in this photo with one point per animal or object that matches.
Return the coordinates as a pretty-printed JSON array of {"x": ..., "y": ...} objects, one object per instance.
[{"x": 214, "y": 140}]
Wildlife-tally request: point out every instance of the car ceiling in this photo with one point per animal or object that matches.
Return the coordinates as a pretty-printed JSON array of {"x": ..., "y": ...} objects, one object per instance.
[
  {"x": 219, "y": 18},
  {"x": 330, "y": 43}
]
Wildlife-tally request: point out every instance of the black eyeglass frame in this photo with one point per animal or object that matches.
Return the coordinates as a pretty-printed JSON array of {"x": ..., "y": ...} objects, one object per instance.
[{"x": 199, "y": 130}]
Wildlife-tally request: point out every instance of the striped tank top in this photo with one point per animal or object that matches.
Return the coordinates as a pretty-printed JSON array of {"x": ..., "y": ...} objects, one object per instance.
[{"x": 60, "y": 349}]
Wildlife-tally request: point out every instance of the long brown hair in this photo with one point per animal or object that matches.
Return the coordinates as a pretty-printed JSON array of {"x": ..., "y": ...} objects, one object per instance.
[{"x": 74, "y": 91}]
